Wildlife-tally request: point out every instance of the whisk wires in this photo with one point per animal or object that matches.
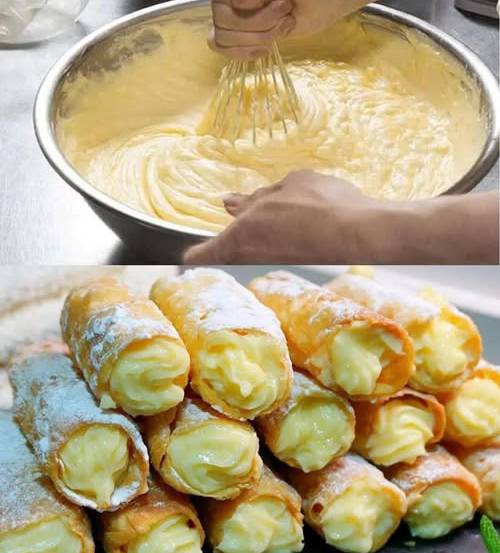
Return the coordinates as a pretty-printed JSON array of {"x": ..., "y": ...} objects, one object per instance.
[{"x": 259, "y": 92}]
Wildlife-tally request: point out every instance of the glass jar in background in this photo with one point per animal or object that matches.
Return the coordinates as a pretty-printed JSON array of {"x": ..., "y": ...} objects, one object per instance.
[{"x": 25, "y": 21}]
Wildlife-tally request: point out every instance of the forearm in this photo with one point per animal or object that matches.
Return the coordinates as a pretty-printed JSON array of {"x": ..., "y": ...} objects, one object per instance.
[
  {"x": 447, "y": 230},
  {"x": 310, "y": 218}
]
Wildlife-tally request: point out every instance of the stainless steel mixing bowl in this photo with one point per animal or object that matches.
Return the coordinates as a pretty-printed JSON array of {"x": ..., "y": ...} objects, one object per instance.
[{"x": 162, "y": 241}]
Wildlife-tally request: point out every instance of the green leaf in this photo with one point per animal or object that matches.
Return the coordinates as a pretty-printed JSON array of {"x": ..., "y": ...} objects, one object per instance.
[{"x": 490, "y": 536}]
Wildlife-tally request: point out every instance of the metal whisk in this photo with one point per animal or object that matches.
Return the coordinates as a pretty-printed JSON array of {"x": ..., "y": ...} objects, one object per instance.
[{"x": 260, "y": 91}]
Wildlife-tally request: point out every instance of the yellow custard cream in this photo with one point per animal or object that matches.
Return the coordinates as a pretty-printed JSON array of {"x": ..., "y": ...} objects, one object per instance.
[
  {"x": 359, "y": 519},
  {"x": 400, "y": 433},
  {"x": 214, "y": 456},
  {"x": 172, "y": 535},
  {"x": 143, "y": 377},
  {"x": 313, "y": 432},
  {"x": 246, "y": 369},
  {"x": 383, "y": 109},
  {"x": 474, "y": 413},
  {"x": 354, "y": 358},
  {"x": 440, "y": 509},
  {"x": 491, "y": 495},
  {"x": 264, "y": 525},
  {"x": 94, "y": 462},
  {"x": 51, "y": 536},
  {"x": 441, "y": 353}
]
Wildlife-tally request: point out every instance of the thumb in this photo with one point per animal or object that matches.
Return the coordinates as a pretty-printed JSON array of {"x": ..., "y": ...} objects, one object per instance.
[{"x": 235, "y": 203}]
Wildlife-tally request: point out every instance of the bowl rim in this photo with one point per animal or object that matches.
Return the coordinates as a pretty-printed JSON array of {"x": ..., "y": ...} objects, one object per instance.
[{"x": 45, "y": 129}]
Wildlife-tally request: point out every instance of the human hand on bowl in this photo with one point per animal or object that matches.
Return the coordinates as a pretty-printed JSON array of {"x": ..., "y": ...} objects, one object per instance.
[
  {"x": 310, "y": 218},
  {"x": 247, "y": 28}
]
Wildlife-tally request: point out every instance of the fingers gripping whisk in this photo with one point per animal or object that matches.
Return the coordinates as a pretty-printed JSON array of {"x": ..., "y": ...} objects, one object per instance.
[{"x": 253, "y": 96}]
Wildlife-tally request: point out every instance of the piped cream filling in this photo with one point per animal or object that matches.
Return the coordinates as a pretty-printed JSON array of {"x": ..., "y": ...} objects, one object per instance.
[
  {"x": 214, "y": 456},
  {"x": 142, "y": 381},
  {"x": 360, "y": 520},
  {"x": 313, "y": 432},
  {"x": 491, "y": 494},
  {"x": 440, "y": 353},
  {"x": 440, "y": 509},
  {"x": 355, "y": 358},
  {"x": 263, "y": 525},
  {"x": 175, "y": 534},
  {"x": 50, "y": 536},
  {"x": 474, "y": 413},
  {"x": 246, "y": 370},
  {"x": 94, "y": 461},
  {"x": 400, "y": 432}
]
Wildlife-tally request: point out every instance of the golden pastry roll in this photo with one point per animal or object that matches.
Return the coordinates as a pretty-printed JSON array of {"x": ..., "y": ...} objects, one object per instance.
[
  {"x": 33, "y": 516},
  {"x": 398, "y": 428},
  {"x": 239, "y": 358},
  {"x": 199, "y": 451},
  {"x": 265, "y": 518},
  {"x": 314, "y": 426},
  {"x": 484, "y": 463},
  {"x": 350, "y": 503},
  {"x": 95, "y": 458},
  {"x": 473, "y": 409},
  {"x": 447, "y": 343},
  {"x": 129, "y": 353},
  {"x": 343, "y": 345},
  {"x": 442, "y": 494},
  {"x": 160, "y": 521}
]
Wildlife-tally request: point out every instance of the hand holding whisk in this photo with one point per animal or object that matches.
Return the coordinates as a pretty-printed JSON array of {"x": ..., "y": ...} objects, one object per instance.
[{"x": 255, "y": 90}]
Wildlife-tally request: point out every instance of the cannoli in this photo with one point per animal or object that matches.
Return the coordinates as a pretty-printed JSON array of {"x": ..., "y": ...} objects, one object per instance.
[
  {"x": 314, "y": 426},
  {"x": 239, "y": 359},
  {"x": 130, "y": 355},
  {"x": 343, "y": 345},
  {"x": 199, "y": 451},
  {"x": 398, "y": 428},
  {"x": 160, "y": 521},
  {"x": 33, "y": 516},
  {"x": 446, "y": 341},
  {"x": 94, "y": 458},
  {"x": 441, "y": 493},
  {"x": 265, "y": 518},
  {"x": 473, "y": 409},
  {"x": 484, "y": 463},
  {"x": 350, "y": 503}
]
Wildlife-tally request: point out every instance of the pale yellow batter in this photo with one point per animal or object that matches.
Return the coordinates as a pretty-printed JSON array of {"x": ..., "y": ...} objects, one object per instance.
[{"x": 384, "y": 110}]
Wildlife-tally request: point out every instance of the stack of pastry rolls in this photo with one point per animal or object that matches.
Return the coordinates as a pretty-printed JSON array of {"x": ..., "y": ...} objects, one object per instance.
[
  {"x": 447, "y": 483},
  {"x": 372, "y": 406},
  {"x": 97, "y": 411}
]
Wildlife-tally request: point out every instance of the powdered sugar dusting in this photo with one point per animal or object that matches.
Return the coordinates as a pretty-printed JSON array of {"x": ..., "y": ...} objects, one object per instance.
[
  {"x": 282, "y": 283},
  {"x": 484, "y": 462},
  {"x": 324, "y": 485},
  {"x": 101, "y": 319},
  {"x": 196, "y": 412},
  {"x": 219, "y": 302},
  {"x": 50, "y": 403},
  {"x": 106, "y": 331},
  {"x": 304, "y": 386},
  {"x": 436, "y": 466},
  {"x": 324, "y": 308},
  {"x": 400, "y": 305},
  {"x": 27, "y": 496}
]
